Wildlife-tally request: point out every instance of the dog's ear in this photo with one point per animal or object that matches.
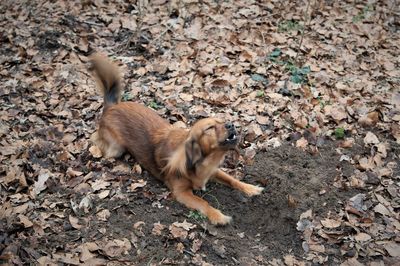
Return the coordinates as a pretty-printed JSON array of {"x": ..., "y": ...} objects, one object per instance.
[{"x": 193, "y": 154}]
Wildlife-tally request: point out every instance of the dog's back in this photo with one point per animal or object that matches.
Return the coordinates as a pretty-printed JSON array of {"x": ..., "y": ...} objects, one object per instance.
[{"x": 125, "y": 125}]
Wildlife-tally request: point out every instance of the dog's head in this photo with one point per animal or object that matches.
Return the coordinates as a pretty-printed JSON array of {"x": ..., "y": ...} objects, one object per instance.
[{"x": 209, "y": 136}]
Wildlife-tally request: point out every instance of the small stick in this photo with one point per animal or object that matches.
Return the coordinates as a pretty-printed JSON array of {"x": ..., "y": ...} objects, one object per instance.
[{"x": 302, "y": 33}]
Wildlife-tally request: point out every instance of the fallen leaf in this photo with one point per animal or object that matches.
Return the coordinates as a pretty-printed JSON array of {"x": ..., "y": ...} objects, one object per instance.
[
  {"x": 104, "y": 194},
  {"x": 379, "y": 208},
  {"x": 331, "y": 223},
  {"x": 301, "y": 143},
  {"x": 25, "y": 221},
  {"x": 157, "y": 229},
  {"x": 138, "y": 225},
  {"x": 371, "y": 138},
  {"x": 369, "y": 120},
  {"x": 185, "y": 225},
  {"x": 362, "y": 237},
  {"x": 117, "y": 247},
  {"x": 141, "y": 183},
  {"x": 393, "y": 249},
  {"x": 40, "y": 185},
  {"x": 99, "y": 184},
  {"x": 180, "y": 247},
  {"x": 196, "y": 245},
  {"x": 74, "y": 222},
  {"x": 86, "y": 251},
  {"x": 103, "y": 215},
  {"x": 178, "y": 232}
]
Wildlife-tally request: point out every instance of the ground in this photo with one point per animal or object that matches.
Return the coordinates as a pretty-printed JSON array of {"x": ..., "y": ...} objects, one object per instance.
[{"x": 313, "y": 88}]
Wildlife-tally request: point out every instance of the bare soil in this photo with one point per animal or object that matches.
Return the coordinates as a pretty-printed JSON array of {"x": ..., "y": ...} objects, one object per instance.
[{"x": 262, "y": 226}]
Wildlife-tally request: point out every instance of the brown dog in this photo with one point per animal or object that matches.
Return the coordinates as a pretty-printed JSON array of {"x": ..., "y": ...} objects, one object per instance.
[{"x": 183, "y": 159}]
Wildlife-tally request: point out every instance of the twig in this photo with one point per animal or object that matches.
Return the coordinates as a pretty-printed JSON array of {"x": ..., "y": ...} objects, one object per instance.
[
  {"x": 161, "y": 34},
  {"x": 90, "y": 23},
  {"x": 302, "y": 32},
  {"x": 135, "y": 36},
  {"x": 189, "y": 252}
]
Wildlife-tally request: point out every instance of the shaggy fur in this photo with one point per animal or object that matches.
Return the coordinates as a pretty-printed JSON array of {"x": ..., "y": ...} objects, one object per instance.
[{"x": 183, "y": 159}]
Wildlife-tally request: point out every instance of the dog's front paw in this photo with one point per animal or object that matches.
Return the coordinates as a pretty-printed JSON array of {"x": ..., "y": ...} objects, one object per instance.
[
  {"x": 218, "y": 218},
  {"x": 251, "y": 190}
]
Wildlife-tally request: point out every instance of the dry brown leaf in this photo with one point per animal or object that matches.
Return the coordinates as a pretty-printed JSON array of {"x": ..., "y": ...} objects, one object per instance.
[
  {"x": 117, "y": 247},
  {"x": 103, "y": 194},
  {"x": 103, "y": 215},
  {"x": 317, "y": 248},
  {"x": 195, "y": 29},
  {"x": 381, "y": 209},
  {"x": 337, "y": 112},
  {"x": 365, "y": 163},
  {"x": 124, "y": 168},
  {"x": 369, "y": 120},
  {"x": 40, "y": 185},
  {"x": 262, "y": 120},
  {"x": 180, "y": 247},
  {"x": 86, "y": 251},
  {"x": 331, "y": 223},
  {"x": 128, "y": 23},
  {"x": 25, "y": 221},
  {"x": 138, "y": 225},
  {"x": 306, "y": 215},
  {"x": 185, "y": 225},
  {"x": 301, "y": 143},
  {"x": 371, "y": 138},
  {"x": 348, "y": 143},
  {"x": 74, "y": 222},
  {"x": 73, "y": 173},
  {"x": 393, "y": 249},
  {"x": 352, "y": 262},
  {"x": 362, "y": 237},
  {"x": 99, "y": 184},
  {"x": 141, "y": 183},
  {"x": 196, "y": 245},
  {"x": 157, "y": 229}
]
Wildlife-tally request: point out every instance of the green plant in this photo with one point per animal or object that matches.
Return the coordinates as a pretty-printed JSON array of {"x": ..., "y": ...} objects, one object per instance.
[
  {"x": 196, "y": 216},
  {"x": 273, "y": 56},
  {"x": 339, "y": 133},
  {"x": 362, "y": 14},
  {"x": 322, "y": 103},
  {"x": 260, "y": 93},
  {"x": 154, "y": 105},
  {"x": 127, "y": 96},
  {"x": 298, "y": 75},
  {"x": 289, "y": 25}
]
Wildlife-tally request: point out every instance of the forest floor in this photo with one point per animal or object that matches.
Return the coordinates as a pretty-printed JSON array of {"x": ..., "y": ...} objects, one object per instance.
[{"x": 312, "y": 86}]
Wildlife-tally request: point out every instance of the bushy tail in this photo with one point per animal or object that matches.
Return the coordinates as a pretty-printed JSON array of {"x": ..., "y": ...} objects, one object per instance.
[{"x": 108, "y": 79}]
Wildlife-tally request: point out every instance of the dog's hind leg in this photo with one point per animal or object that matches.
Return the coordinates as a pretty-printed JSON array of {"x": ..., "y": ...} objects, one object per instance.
[{"x": 103, "y": 138}]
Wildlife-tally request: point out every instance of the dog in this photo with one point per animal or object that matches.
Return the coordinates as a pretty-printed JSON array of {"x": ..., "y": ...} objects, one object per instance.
[{"x": 185, "y": 160}]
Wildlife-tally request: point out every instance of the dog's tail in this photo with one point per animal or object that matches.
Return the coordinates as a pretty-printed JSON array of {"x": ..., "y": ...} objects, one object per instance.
[{"x": 108, "y": 79}]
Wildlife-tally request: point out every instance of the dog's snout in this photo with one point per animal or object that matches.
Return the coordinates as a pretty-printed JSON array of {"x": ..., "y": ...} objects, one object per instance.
[{"x": 229, "y": 126}]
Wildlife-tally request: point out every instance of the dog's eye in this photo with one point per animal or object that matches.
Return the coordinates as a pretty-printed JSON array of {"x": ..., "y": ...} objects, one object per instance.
[{"x": 210, "y": 127}]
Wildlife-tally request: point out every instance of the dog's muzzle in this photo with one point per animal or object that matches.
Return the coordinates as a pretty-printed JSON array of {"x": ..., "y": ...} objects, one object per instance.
[{"x": 232, "y": 137}]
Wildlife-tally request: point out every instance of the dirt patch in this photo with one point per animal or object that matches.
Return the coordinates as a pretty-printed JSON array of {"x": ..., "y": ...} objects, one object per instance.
[
  {"x": 296, "y": 181},
  {"x": 263, "y": 227}
]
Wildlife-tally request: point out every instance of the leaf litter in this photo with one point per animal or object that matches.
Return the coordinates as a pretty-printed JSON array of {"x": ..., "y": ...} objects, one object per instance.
[{"x": 312, "y": 87}]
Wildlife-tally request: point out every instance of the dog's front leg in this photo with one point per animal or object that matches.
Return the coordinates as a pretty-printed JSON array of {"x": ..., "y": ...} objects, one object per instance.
[
  {"x": 194, "y": 202},
  {"x": 249, "y": 190}
]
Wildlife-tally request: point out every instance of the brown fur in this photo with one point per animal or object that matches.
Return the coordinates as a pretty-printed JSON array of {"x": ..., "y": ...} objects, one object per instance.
[{"x": 183, "y": 159}]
